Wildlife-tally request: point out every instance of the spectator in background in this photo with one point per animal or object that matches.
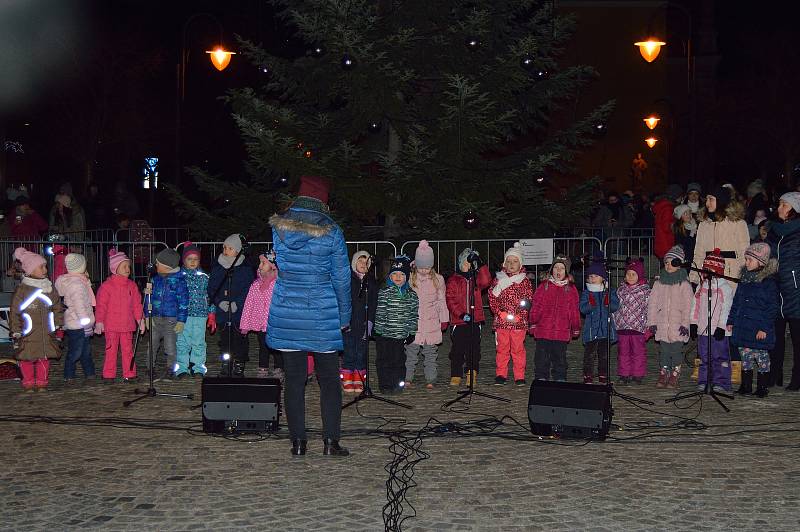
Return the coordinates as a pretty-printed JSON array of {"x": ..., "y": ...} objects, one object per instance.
[
  {"x": 663, "y": 210},
  {"x": 25, "y": 223},
  {"x": 124, "y": 201},
  {"x": 96, "y": 209},
  {"x": 66, "y": 216},
  {"x": 756, "y": 201},
  {"x": 692, "y": 199}
]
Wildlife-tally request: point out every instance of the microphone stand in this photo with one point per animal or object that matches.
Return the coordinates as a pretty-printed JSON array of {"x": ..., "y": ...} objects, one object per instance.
[
  {"x": 227, "y": 371},
  {"x": 472, "y": 278},
  {"x": 366, "y": 392},
  {"x": 709, "y": 388},
  {"x": 151, "y": 361}
]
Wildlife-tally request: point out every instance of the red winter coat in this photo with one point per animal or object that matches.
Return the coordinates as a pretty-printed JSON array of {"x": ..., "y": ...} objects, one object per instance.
[
  {"x": 505, "y": 305},
  {"x": 664, "y": 237},
  {"x": 555, "y": 314},
  {"x": 119, "y": 304},
  {"x": 456, "y": 295}
]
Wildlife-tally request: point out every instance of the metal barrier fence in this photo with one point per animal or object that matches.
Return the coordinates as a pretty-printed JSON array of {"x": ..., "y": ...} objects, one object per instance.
[{"x": 621, "y": 248}]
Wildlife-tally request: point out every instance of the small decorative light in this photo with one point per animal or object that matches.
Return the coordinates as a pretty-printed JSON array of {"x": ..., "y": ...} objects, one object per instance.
[
  {"x": 540, "y": 179},
  {"x": 650, "y": 48},
  {"x": 307, "y": 154},
  {"x": 226, "y": 356},
  {"x": 524, "y": 303},
  {"x": 652, "y": 121},
  {"x": 651, "y": 141},
  {"x": 220, "y": 57},
  {"x": 347, "y": 62},
  {"x": 510, "y": 316}
]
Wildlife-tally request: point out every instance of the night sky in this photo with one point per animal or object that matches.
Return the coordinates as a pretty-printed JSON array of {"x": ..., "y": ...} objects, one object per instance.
[{"x": 81, "y": 70}]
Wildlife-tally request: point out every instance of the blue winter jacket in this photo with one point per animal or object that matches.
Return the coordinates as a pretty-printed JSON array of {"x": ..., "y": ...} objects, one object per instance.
[
  {"x": 594, "y": 324},
  {"x": 755, "y": 308},
  {"x": 311, "y": 301},
  {"x": 170, "y": 297},
  {"x": 197, "y": 283},
  {"x": 241, "y": 278},
  {"x": 784, "y": 239}
]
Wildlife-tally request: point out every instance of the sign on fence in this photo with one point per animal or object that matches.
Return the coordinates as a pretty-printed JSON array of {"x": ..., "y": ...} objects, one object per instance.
[{"x": 537, "y": 251}]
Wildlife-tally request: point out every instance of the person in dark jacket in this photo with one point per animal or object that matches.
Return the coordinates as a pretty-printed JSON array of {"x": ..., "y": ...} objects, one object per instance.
[
  {"x": 311, "y": 307},
  {"x": 229, "y": 302},
  {"x": 784, "y": 240},
  {"x": 364, "y": 295},
  {"x": 752, "y": 316}
]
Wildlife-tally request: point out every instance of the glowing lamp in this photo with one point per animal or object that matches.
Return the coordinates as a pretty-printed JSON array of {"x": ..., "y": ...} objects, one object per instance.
[
  {"x": 226, "y": 356},
  {"x": 651, "y": 121},
  {"x": 651, "y": 141},
  {"x": 220, "y": 57},
  {"x": 650, "y": 48}
]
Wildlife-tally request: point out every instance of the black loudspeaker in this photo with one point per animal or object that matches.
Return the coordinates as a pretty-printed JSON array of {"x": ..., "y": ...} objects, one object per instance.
[
  {"x": 570, "y": 409},
  {"x": 232, "y": 405}
]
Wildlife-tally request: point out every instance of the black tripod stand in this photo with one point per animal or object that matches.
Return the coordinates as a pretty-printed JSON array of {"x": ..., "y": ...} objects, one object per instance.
[
  {"x": 472, "y": 277},
  {"x": 366, "y": 392},
  {"x": 709, "y": 387},
  {"x": 228, "y": 356},
  {"x": 151, "y": 356}
]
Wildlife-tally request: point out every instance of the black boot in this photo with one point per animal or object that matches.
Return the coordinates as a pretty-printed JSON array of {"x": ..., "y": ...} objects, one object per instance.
[
  {"x": 746, "y": 388},
  {"x": 779, "y": 377},
  {"x": 761, "y": 384},
  {"x": 299, "y": 447},
  {"x": 238, "y": 369},
  {"x": 332, "y": 448}
]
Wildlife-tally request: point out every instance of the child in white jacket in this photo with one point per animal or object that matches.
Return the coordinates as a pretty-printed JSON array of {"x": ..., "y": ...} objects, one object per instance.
[{"x": 76, "y": 290}]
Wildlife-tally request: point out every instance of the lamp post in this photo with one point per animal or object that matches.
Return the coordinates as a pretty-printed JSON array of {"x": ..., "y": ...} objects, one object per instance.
[{"x": 219, "y": 57}]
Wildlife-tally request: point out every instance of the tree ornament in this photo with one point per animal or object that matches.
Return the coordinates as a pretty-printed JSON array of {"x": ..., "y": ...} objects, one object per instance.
[
  {"x": 317, "y": 50},
  {"x": 347, "y": 62},
  {"x": 472, "y": 42},
  {"x": 600, "y": 129},
  {"x": 541, "y": 74},
  {"x": 374, "y": 127},
  {"x": 527, "y": 62},
  {"x": 470, "y": 220},
  {"x": 283, "y": 181}
]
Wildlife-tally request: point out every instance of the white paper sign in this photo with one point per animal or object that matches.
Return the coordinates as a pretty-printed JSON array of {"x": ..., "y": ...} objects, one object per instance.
[{"x": 537, "y": 251}]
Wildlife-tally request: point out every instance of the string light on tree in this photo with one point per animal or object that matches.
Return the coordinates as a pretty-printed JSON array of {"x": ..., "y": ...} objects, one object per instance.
[
  {"x": 317, "y": 50},
  {"x": 527, "y": 62},
  {"x": 348, "y": 62},
  {"x": 472, "y": 42},
  {"x": 470, "y": 220},
  {"x": 374, "y": 127},
  {"x": 542, "y": 74}
]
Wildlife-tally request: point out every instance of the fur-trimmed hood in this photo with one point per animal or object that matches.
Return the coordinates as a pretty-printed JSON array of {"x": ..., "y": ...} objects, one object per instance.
[
  {"x": 733, "y": 212},
  {"x": 769, "y": 269},
  {"x": 297, "y": 226}
]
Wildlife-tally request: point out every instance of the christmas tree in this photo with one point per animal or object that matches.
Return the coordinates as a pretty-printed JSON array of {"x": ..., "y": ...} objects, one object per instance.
[{"x": 418, "y": 112}]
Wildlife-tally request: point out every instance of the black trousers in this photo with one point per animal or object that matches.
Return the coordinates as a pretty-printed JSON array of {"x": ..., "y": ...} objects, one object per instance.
[
  {"x": 264, "y": 352},
  {"x": 239, "y": 343},
  {"x": 595, "y": 346},
  {"x": 326, "y": 366},
  {"x": 463, "y": 340},
  {"x": 390, "y": 362},
  {"x": 550, "y": 354},
  {"x": 778, "y": 353}
]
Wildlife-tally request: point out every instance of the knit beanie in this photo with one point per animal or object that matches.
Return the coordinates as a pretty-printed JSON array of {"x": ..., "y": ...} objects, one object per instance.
[
  {"x": 189, "y": 249},
  {"x": 462, "y": 257},
  {"x": 561, "y": 259},
  {"x": 759, "y": 251},
  {"x": 679, "y": 210},
  {"x": 29, "y": 260},
  {"x": 793, "y": 199},
  {"x": 693, "y": 186},
  {"x": 423, "y": 258},
  {"x": 515, "y": 250},
  {"x": 317, "y": 187},
  {"x": 715, "y": 262},
  {"x": 596, "y": 268},
  {"x": 234, "y": 241},
  {"x": 401, "y": 264},
  {"x": 674, "y": 191},
  {"x": 357, "y": 255},
  {"x": 169, "y": 258},
  {"x": 675, "y": 252},
  {"x": 115, "y": 258},
  {"x": 64, "y": 200},
  {"x": 755, "y": 188},
  {"x": 723, "y": 196},
  {"x": 75, "y": 263},
  {"x": 636, "y": 265}
]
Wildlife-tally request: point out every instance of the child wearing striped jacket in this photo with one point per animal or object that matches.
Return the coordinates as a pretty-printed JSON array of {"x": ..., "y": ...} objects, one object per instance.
[{"x": 395, "y": 325}]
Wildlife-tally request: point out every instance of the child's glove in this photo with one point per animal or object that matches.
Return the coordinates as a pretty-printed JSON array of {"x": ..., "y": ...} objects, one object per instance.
[
  {"x": 531, "y": 330},
  {"x": 719, "y": 334},
  {"x": 87, "y": 332},
  {"x": 647, "y": 335},
  {"x": 234, "y": 307},
  {"x": 60, "y": 334},
  {"x": 409, "y": 339},
  {"x": 345, "y": 329},
  {"x": 225, "y": 306},
  {"x": 575, "y": 334},
  {"x": 211, "y": 322},
  {"x": 444, "y": 325},
  {"x": 693, "y": 331},
  {"x": 654, "y": 329},
  {"x": 179, "y": 327},
  {"x": 465, "y": 318},
  {"x": 142, "y": 326},
  {"x": 370, "y": 325},
  {"x": 683, "y": 331},
  {"x": 99, "y": 328}
]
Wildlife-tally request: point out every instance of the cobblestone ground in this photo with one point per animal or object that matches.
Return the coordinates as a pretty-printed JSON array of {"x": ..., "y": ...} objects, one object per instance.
[{"x": 740, "y": 472}]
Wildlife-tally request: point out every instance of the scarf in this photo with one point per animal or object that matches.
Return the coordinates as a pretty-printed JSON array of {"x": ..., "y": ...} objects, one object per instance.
[
  {"x": 595, "y": 287},
  {"x": 310, "y": 204},
  {"x": 504, "y": 281},
  {"x": 226, "y": 262},
  {"x": 673, "y": 278},
  {"x": 694, "y": 205},
  {"x": 44, "y": 284},
  {"x": 562, "y": 282},
  {"x": 748, "y": 276},
  {"x": 691, "y": 227}
]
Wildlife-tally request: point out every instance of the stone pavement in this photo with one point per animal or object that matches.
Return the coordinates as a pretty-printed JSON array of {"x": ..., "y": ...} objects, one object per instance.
[{"x": 741, "y": 471}]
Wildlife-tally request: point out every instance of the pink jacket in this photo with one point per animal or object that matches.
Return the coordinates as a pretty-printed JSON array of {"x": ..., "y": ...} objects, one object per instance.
[
  {"x": 76, "y": 290},
  {"x": 119, "y": 304},
  {"x": 255, "y": 313},
  {"x": 555, "y": 314},
  {"x": 668, "y": 309},
  {"x": 432, "y": 309}
]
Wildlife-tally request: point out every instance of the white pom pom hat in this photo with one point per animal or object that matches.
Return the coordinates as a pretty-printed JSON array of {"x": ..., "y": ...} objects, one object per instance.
[{"x": 515, "y": 250}]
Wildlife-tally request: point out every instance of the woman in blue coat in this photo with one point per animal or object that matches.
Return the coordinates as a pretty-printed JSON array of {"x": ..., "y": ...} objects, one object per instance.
[
  {"x": 310, "y": 308},
  {"x": 784, "y": 239}
]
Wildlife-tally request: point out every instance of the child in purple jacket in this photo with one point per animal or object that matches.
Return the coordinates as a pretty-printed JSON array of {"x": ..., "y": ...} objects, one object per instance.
[{"x": 631, "y": 323}]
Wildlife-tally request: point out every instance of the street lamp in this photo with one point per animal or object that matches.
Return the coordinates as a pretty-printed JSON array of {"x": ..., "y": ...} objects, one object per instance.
[
  {"x": 651, "y": 141},
  {"x": 651, "y": 121},
  {"x": 220, "y": 57},
  {"x": 650, "y": 48}
]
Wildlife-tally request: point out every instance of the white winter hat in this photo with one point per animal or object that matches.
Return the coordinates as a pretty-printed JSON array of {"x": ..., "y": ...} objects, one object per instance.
[
  {"x": 75, "y": 263},
  {"x": 357, "y": 255},
  {"x": 515, "y": 250},
  {"x": 679, "y": 210}
]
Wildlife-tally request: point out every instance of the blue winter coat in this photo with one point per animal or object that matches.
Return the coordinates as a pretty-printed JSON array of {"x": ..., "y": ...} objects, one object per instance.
[
  {"x": 594, "y": 324},
  {"x": 755, "y": 308},
  {"x": 311, "y": 301},
  {"x": 197, "y": 283},
  {"x": 170, "y": 296},
  {"x": 241, "y": 278},
  {"x": 784, "y": 239}
]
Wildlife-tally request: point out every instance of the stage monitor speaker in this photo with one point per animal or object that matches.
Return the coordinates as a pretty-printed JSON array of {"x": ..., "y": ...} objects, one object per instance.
[
  {"x": 570, "y": 409},
  {"x": 232, "y": 405}
]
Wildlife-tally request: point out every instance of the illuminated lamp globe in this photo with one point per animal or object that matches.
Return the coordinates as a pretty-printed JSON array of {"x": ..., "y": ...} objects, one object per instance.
[
  {"x": 220, "y": 57},
  {"x": 651, "y": 121},
  {"x": 651, "y": 141},
  {"x": 650, "y": 48}
]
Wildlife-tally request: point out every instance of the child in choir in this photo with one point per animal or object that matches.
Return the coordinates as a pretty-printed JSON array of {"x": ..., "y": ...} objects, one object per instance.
[
  {"x": 191, "y": 342},
  {"x": 595, "y": 304},
  {"x": 170, "y": 302},
  {"x": 364, "y": 296},
  {"x": 76, "y": 289},
  {"x": 631, "y": 323},
  {"x": 256, "y": 314}
]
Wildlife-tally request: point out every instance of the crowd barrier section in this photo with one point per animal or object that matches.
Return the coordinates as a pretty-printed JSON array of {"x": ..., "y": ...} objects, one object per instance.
[
  {"x": 621, "y": 248},
  {"x": 603, "y": 233},
  {"x": 140, "y": 231}
]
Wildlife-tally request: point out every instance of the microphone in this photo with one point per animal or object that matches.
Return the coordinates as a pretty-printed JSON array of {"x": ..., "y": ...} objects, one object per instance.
[{"x": 678, "y": 263}]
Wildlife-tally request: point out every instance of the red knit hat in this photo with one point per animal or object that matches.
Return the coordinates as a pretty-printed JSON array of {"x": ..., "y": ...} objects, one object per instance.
[
  {"x": 317, "y": 187},
  {"x": 714, "y": 262}
]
